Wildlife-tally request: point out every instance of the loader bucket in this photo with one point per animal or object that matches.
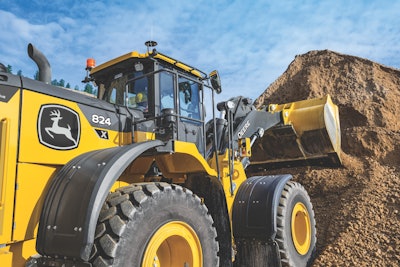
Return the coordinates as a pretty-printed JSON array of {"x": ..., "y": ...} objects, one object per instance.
[{"x": 308, "y": 136}]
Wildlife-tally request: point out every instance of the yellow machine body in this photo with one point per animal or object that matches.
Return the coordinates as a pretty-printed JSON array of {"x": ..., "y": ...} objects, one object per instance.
[{"x": 305, "y": 132}]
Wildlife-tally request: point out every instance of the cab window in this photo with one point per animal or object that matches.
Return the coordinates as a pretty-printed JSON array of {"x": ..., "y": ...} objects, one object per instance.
[
  {"x": 123, "y": 89},
  {"x": 167, "y": 94},
  {"x": 189, "y": 101},
  {"x": 114, "y": 88},
  {"x": 137, "y": 93}
]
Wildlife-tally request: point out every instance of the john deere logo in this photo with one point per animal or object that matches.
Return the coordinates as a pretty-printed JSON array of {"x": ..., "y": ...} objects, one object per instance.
[{"x": 58, "y": 127}]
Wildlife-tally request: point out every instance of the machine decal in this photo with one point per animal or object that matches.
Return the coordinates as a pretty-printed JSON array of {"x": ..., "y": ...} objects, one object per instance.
[
  {"x": 58, "y": 127},
  {"x": 102, "y": 134},
  {"x": 101, "y": 117},
  {"x": 101, "y": 120},
  {"x": 244, "y": 129}
]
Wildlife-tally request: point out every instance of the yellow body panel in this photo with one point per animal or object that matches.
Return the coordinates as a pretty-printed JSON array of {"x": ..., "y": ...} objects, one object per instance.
[
  {"x": 143, "y": 136},
  {"x": 238, "y": 177},
  {"x": 29, "y": 141},
  {"x": 16, "y": 254},
  {"x": 185, "y": 159},
  {"x": 31, "y": 190},
  {"x": 9, "y": 139},
  {"x": 5, "y": 257}
]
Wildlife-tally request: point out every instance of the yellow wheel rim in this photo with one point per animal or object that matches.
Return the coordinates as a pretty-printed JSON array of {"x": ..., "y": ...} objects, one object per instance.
[
  {"x": 301, "y": 228},
  {"x": 174, "y": 244}
]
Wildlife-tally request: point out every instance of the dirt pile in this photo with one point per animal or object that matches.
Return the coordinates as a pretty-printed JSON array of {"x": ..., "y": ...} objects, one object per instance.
[{"x": 357, "y": 206}]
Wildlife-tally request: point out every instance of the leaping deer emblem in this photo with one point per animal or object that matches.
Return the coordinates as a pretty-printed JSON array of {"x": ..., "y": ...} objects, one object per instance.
[{"x": 56, "y": 129}]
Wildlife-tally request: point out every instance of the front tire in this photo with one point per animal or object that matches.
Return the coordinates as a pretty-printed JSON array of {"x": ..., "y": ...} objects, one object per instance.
[
  {"x": 155, "y": 224},
  {"x": 296, "y": 235}
]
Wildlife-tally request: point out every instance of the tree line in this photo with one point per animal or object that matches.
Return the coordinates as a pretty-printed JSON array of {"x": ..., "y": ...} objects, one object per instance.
[{"x": 62, "y": 83}]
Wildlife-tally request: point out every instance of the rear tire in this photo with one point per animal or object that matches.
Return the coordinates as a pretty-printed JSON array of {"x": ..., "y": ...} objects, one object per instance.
[
  {"x": 296, "y": 234},
  {"x": 154, "y": 224}
]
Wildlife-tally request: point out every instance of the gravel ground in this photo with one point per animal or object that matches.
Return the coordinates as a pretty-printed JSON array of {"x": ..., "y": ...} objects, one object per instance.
[{"x": 357, "y": 206}]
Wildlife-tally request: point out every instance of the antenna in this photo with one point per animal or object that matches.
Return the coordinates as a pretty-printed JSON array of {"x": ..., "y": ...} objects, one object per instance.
[
  {"x": 151, "y": 31},
  {"x": 149, "y": 44}
]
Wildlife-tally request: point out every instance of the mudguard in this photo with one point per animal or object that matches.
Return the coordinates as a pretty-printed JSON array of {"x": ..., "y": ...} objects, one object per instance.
[
  {"x": 68, "y": 221},
  {"x": 255, "y": 207}
]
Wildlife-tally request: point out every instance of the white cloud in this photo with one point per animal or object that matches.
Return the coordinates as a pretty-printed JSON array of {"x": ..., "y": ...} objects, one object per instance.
[
  {"x": 17, "y": 33},
  {"x": 250, "y": 43}
]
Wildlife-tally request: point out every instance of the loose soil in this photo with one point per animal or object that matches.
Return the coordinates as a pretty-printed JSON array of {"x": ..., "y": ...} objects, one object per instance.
[{"x": 357, "y": 206}]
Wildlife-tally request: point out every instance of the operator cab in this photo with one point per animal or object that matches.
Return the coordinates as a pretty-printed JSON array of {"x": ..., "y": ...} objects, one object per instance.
[{"x": 163, "y": 96}]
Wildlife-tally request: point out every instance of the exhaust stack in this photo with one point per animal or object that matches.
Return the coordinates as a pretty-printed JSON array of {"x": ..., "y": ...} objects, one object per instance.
[{"x": 42, "y": 63}]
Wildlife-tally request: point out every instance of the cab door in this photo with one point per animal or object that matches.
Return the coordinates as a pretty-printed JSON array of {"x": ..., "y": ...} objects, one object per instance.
[{"x": 191, "y": 121}]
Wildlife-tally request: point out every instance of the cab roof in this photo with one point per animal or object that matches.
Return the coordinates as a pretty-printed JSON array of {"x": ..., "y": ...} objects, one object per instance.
[{"x": 154, "y": 54}]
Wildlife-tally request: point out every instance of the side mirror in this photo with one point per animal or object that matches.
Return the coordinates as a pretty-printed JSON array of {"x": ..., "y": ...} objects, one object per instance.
[{"x": 215, "y": 81}]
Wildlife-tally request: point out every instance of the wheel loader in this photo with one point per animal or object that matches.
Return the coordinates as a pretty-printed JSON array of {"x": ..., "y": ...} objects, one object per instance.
[{"x": 138, "y": 176}]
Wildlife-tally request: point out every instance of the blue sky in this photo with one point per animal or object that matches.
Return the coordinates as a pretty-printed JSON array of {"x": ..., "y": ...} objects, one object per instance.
[{"x": 251, "y": 43}]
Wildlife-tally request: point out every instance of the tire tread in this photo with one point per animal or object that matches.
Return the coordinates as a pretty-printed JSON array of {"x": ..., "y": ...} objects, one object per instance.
[
  {"x": 289, "y": 189},
  {"x": 122, "y": 206}
]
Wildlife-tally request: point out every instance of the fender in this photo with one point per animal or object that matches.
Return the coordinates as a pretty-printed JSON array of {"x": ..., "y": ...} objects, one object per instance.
[
  {"x": 69, "y": 216},
  {"x": 255, "y": 207}
]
